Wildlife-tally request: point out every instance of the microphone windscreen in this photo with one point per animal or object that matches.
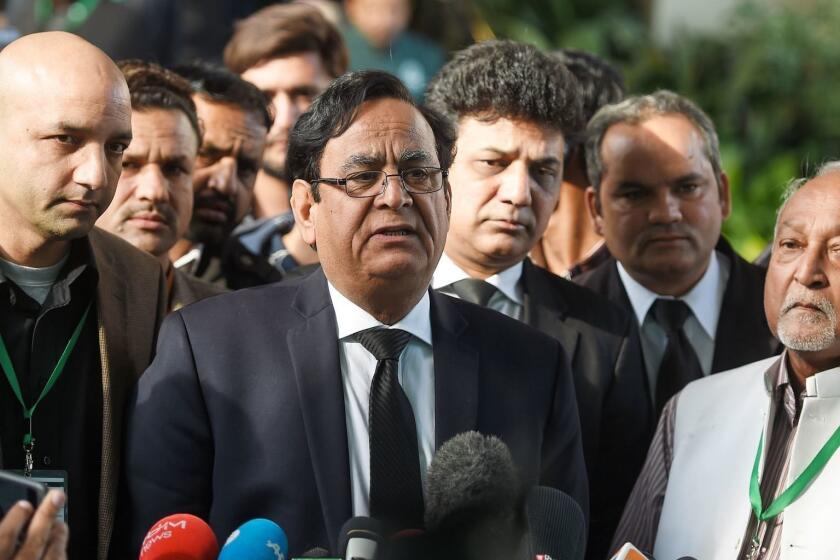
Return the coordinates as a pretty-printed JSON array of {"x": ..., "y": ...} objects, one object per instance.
[
  {"x": 470, "y": 473},
  {"x": 258, "y": 539},
  {"x": 557, "y": 524},
  {"x": 180, "y": 537},
  {"x": 360, "y": 538}
]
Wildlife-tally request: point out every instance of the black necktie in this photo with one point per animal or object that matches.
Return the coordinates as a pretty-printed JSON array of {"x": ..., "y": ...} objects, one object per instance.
[
  {"x": 473, "y": 290},
  {"x": 396, "y": 493},
  {"x": 679, "y": 365}
]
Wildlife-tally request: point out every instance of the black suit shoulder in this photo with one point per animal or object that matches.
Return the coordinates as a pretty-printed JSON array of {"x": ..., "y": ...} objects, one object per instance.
[
  {"x": 495, "y": 327},
  {"x": 578, "y": 302}
]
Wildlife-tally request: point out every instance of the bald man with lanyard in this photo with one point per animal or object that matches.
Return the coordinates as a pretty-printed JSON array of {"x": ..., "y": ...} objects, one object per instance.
[{"x": 79, "y": 308}]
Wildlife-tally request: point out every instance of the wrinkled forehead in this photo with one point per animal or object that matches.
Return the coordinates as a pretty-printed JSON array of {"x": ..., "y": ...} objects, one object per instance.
[
  {"x": 387, "y": 130},
  {"x": 814, "y": 209}
]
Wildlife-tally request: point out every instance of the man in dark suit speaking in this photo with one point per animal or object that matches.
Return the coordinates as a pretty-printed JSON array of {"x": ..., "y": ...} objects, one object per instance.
[{"x": 311, "y": 402}]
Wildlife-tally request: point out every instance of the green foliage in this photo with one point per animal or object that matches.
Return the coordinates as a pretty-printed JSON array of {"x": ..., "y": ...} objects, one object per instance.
[{"x": 769, "y": 78}]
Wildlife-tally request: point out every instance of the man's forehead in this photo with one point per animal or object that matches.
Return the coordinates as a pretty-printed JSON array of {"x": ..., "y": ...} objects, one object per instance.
[
  {"x": 670, "y": 146},
  {"x": 817, "y": 202},
  {"x": 167, "y": 130},
  {"x": 223, "y": 120}
]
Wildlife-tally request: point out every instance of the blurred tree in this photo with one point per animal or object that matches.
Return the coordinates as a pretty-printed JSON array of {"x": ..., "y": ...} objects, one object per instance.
[{"x": 768, "y": 78}]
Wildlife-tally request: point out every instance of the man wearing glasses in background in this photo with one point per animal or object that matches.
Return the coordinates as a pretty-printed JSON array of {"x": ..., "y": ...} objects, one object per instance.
[{"x": 285, "y": 416}]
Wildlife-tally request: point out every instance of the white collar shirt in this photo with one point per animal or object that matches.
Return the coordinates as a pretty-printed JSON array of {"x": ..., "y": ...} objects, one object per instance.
[
  {"x": 508, "y": 297},
  {"x": 416, "y": 376},
  {"x": 704, "y": 300}
]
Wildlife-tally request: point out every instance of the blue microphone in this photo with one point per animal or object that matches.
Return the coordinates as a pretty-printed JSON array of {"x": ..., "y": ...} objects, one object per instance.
[{"x": 258, "y": 539}]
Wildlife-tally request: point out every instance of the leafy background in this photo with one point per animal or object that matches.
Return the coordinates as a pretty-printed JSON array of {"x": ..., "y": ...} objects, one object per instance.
[{"x": 769, "y": 77}]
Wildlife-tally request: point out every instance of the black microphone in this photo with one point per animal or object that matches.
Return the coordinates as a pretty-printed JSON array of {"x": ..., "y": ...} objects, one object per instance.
[
  {"x": 556, "y": 523},
  {"x": 316, "y": 552},
  {"x": 474, "y": 499},
  {"x": 360, "y": 539}
]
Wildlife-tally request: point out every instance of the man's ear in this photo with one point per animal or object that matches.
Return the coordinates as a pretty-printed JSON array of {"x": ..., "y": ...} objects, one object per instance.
[
  {"x": 303, "y": 206},
  {"x": 594, "y": 206},
  {"x": 725, "y": 195}
]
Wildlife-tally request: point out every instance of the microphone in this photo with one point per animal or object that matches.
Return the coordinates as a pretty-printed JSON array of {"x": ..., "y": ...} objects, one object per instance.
[
  {"x": 630, "y": 552},
  {"x": 180, "y": 537},
  {"x": 556, "y": 524},
  {"x": 360, "y": 538},
  {"x": 257, "y": 539},
  {"x": 316, "y": 552},
  {"x": 474, "y": 499}
]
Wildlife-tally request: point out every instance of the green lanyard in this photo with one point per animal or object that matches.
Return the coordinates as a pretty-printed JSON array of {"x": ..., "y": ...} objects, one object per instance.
[
  {"x": 792, "y": 493},
  {"x": 11, "y": 375}
]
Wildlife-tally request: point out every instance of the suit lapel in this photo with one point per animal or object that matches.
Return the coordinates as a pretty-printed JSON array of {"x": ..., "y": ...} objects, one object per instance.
[
  {"x": 456, "y": 371},
  {"x": 114, "y": 359},
  {"x": 544, "y": 309},
  {"x": 742, "y": 332},
  {"x": 313, "y": 348}
]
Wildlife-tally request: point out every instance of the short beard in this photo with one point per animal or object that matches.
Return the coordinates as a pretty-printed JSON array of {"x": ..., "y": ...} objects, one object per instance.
[{"x": 815, "y": 342}]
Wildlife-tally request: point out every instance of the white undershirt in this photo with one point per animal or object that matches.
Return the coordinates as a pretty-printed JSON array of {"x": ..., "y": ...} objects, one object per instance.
[
  {"x": 35, "y": 282},
  {"x": 507, "y": 299},
  {"x": 704, "y": 299},
  {"x": 416, "y": 375}
]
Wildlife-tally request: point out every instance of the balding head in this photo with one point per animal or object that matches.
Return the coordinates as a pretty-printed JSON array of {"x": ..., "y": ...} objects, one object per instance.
[
  {"x": 65, "y": 119},
  {"x": 52, "y": 62}
]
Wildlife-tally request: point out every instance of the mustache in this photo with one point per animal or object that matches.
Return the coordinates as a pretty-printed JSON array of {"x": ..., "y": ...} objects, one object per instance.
[
  {"x": 165, "y": 211},
  {"x": 216, "y": 201},
  {"x": 659, "y": 230},
  {"x": 804, "y": 298}
]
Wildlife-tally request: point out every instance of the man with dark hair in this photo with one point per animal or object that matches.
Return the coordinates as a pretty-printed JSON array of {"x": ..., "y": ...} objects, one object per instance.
[
  {"x": 659, "y": 197},
  {"x": 153, "y": 202},
  {"x": 570, "y": 245},
  {"x": 329, "y": 401},
  {"x": 514, "y": 106},
  {"x": 79, "y": 307},
  {"x": 291, "y": 52},
  {"x": 236, "y": 119}
]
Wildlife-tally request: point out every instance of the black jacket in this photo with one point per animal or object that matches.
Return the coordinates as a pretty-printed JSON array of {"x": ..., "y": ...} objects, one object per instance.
[
  {"x": 241, "y": 414},
  {"x": 601, "y": 341},
  {"x": 742, "y": 332}
]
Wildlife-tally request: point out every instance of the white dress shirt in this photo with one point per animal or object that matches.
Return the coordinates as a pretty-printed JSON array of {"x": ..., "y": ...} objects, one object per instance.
[
  {"x": 704, "y": 300},
  {"x": 508, "y": 297},
  {"x": 416, "y": 375}
]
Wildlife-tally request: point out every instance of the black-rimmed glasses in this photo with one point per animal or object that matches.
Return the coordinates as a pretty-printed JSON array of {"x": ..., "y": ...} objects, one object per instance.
[{"x": 365, "y": 184}]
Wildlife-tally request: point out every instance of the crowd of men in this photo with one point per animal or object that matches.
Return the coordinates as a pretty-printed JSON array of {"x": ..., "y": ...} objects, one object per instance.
[{"x": 528, "y": 253}]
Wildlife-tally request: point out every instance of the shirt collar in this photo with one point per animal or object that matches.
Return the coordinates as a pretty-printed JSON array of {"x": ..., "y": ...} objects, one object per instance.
[
  {"x": 506, "y": 281},
  {"x": 351, "y": 318},
  {"x": 708, "y": 289}
]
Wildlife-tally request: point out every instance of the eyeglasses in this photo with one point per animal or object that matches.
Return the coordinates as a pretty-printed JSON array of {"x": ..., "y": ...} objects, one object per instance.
[{"x": 366, "y": 184}]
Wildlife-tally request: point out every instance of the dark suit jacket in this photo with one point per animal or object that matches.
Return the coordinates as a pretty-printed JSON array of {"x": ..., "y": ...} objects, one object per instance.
[
  {"x": 129, "y": 315},
  {"x": 131, "y": 302},
  {"x": 742, "y": 333},
  {"x": 241, "y": 414},
  {"x": 601, "y": 341}
]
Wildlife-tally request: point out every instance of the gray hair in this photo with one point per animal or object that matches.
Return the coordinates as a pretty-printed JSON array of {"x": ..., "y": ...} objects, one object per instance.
[
  {"x": 794, "y": 185},
  {"x": 637, "y": 109}
]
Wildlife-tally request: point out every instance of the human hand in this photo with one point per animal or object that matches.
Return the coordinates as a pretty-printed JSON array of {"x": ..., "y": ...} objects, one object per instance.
[{"x": 46, "y": 537}]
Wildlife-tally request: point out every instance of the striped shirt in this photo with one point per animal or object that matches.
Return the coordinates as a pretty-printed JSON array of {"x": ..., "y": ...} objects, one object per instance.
[{"x": 640, "y": 520}]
